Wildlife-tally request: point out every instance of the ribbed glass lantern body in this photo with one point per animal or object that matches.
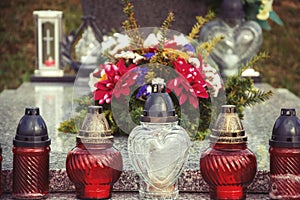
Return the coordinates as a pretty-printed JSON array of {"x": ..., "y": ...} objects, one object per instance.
[
  {"x": 285, "y": 173},
  {"x": 228, "y": 169},
  {"x": 91, "y": 172},
  {"x": 1, "y": 171},
  {"x": 285, "y": 156},
  {"x": 31, "y": 157},
  {"x": 94, "y": 165},
  {"x": 228, "y": 166},
  {"x": 30, "y": 172}
]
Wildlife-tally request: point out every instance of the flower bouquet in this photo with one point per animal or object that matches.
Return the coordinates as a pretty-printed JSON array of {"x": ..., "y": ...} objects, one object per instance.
[{"x": 140, "y": 55}]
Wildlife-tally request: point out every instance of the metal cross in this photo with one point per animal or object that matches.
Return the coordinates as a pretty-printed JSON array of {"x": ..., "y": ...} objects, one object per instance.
[{"x": 48, "y": 39}]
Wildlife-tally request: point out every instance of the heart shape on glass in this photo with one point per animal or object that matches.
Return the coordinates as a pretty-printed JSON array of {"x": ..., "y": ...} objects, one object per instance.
[
  {"x": 159, "y": 155},
  {"x": 242, "y": 41}
]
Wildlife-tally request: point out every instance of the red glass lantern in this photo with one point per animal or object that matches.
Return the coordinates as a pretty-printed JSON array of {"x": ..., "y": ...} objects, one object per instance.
[
  {"x": 31, "y": 157},
  {"x": 228, "y": 166},
  {"x": 285, "y": 156},
  {"x": 94, "y": 165}
]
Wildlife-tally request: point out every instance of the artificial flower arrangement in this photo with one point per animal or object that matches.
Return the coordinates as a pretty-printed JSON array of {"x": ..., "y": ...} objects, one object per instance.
[{"x": 138, "y": 56}]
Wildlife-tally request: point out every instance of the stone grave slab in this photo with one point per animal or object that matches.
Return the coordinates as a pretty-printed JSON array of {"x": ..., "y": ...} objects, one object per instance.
[{"x": 55, "y": 103}]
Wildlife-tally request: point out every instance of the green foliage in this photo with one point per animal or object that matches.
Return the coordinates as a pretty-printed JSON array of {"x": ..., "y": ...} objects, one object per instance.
[
  {"x": 130, "y": 23},
  {"x": 200, "y": 21},
  {"x": 159, "y": 58},
  {"x": 164, "y": 30},
  {"x": 207, "y": 47},
  {"x": 241, "y": 92},
  {"x": 130, "y": 26},
  {"x": 68, "y": 126},
  {"x": 136, "y": 107},
  {"x": 276, "y": 18},
  {"x": 73, "y": 124},
  {"x": 83, "y": 102},
  {"x": 205, "y": 119}
]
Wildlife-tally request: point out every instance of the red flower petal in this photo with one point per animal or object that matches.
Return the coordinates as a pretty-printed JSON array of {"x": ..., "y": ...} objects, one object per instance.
[
  {"x": 108, "y": 100},
  {"x": 194, "y": 102},
  {"x": 182, "y": 99},
  {"x": 101, "y": 101},
  {"x": 121, "y": 67}
]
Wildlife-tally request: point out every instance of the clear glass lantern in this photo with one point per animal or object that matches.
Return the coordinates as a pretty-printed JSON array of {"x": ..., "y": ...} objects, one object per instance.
[
  {"x": 242, "y": 38},
  {"x": 159, "y": 147}
]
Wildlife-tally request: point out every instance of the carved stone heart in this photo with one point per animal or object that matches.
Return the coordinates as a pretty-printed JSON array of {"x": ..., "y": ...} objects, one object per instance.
[
  {"x": 159, "y": 155},
  {"x": 242, "y": 41}
]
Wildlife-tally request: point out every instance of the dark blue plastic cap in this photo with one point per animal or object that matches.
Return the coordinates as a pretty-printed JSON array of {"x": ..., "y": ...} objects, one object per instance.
[
  {"x": 31, "y": 130},
  {"x": 286, "y": 130},
  {"x": 232, "y": 9}
]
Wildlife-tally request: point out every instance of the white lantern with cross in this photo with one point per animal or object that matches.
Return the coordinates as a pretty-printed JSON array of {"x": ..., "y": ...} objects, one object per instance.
[{"x": 49, "y": 35}]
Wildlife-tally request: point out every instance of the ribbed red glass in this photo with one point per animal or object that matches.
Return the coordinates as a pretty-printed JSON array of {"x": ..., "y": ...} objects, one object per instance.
[
  {"x": 1, "y": 171},
  {"x": 30, "y": 172},
  {"x": 285, "y": 173},
  {"x": 228, "y": 169},
  {"x": 94, "y": 168}
]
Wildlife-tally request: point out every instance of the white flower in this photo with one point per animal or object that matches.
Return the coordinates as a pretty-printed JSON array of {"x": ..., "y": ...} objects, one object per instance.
[
  {"x": 115, "y": 43},
  {"x": 130, "y": 55},
  {"x": 181, "y": 39},
  {"x": 137, "y": 58},
  {"x": 93, "y": 80},
  {"x": 213, "y": 78},
  {"x": 107, "y": 43},
  {"x": 123, "y": 41},
  {"x": 125, "y": 54},
  {"x": 195, "y": 62},
  {"x": 158, "y": 80},
  {"x": 152, "y": 40}
]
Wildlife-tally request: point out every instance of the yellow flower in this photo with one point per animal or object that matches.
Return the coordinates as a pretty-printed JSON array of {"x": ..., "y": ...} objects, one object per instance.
[
  {"x": 103, "y": 76},
  {"x": 169, "y": 52},
  {"x": 265, "y": 9}
]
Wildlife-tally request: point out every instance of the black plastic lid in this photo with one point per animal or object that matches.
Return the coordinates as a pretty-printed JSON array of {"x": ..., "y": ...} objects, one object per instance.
[
  {"x": 31, "y": 130},
  {"x": 232, "y": 9},
  {"x": 159, "y": 107},
  {"x": 286, "y": 130}
]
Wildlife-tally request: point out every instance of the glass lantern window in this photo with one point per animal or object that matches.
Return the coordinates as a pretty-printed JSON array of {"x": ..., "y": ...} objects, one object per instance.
[{"x": 48, "y": 44}]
